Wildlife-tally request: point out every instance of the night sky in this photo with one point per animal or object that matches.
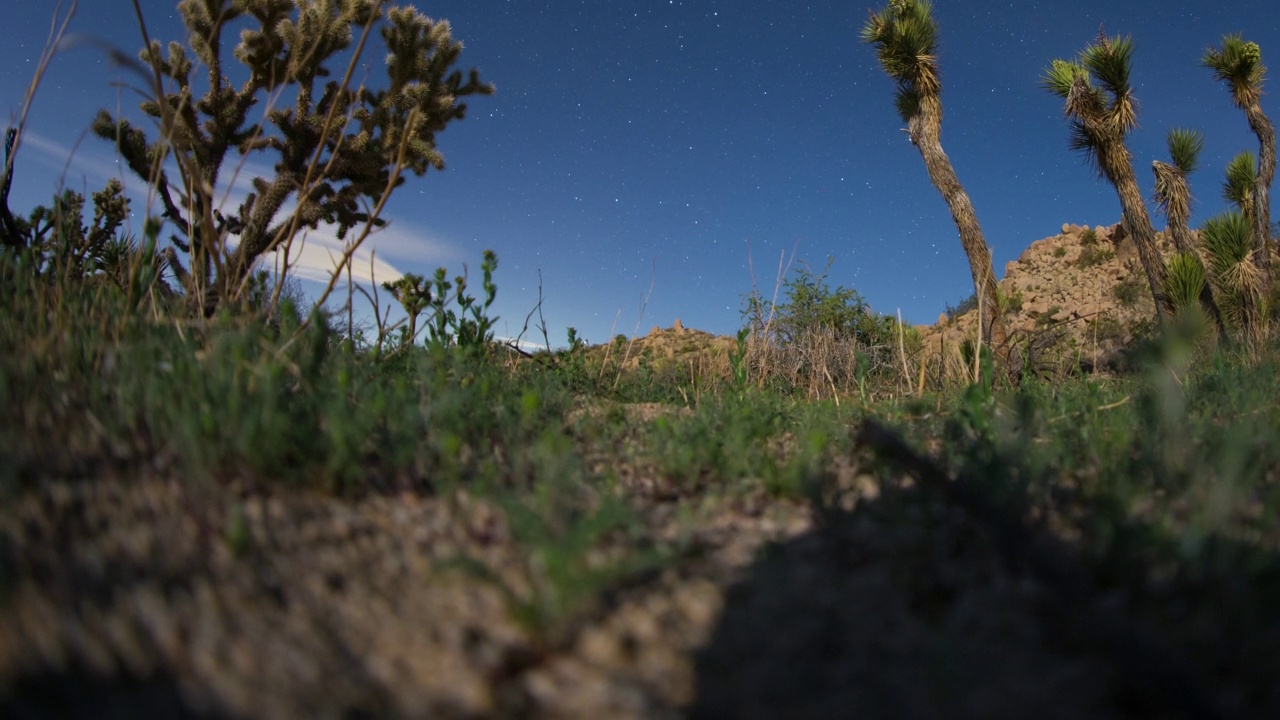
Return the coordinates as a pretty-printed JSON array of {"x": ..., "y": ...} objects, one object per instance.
[{"x": 665, "y": 143}]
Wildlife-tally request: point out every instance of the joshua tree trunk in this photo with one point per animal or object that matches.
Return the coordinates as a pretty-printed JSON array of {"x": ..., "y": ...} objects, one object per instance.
[
  {"x": 1266, "y": 133},
  {"x": 1116, "y": 166},
  {"x": 8, "y": 227},
  {"x": 925, "y": 131},
  {"x": 906, "y": 35},
  {"x": 1173, "y": 193}
]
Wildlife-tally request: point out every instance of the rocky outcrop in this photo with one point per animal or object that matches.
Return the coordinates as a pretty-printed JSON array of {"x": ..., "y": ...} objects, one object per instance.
[{"x": 1082, "y": 290}]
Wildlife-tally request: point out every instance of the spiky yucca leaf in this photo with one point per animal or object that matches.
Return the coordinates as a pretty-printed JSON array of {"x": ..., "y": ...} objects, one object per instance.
[
  {"x": 1239, "y": 64},
  {"x": 1061, "y": 76},
  {"x": 1237, "y": 188},
  {"x": 1171, "y": 191},
  {"x": 1110, "y": 60},
  {"x": 1184, "y": 148},
  {"x": 906, "y": 36},
  {"x": 1184, "y": 281},
  {"x": 1106, "y": 62},
  {"x": 907, "y": 103},
  {"x": 1228, "y": 241},
  {"x": 1244, "y": 276}
]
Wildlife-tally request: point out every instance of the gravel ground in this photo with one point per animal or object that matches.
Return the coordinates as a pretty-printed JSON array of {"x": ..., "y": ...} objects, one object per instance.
[
  {"x": 127, "y": 596},
  {"x": 156, "y": 598}
]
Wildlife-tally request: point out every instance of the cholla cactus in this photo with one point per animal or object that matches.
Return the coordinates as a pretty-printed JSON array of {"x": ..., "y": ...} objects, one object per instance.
[{"x": 338, "y": 150}]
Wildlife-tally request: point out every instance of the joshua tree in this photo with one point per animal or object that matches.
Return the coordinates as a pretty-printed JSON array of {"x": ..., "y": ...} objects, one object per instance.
[
  {"x": 905, "y": 36},
  {"x": 1172, "y": 192},
  {"x": 1239, "y": 64},
  {"x": 1228, "y": 244},
  {"x": 338, "y": 150},
  {"x": 1101, "y": 116},
  {"x": 1185, "y": 275},
  {"x": 1238, "y": 187}
]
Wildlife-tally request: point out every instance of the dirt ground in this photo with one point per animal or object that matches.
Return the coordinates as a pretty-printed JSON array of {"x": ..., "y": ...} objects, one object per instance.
[{"x": 126, "y": 598}]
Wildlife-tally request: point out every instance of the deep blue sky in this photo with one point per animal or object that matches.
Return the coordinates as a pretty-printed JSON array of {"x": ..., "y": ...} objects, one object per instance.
[{"x": 661, "y": 142}]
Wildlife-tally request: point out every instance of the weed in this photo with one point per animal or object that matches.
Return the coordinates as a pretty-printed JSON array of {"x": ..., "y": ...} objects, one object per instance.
[
  {"x": 1093, "y": 255},
  {"x": 1128, "y": 291},
  {"x": 738, "y": 360},
  {"x": 964, "y": 306}
]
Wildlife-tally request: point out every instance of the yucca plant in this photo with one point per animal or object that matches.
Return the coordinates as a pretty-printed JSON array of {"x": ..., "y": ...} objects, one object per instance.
[
  {"x": 905, "y": 36},
  {"x": 1172, "y": 190},
  {"x": 1173, "y": 196},
  {"x": 1228, "y": 245},
  {"x": 1238, "y": 63},
  {"x": 1101, "y": 116},
  {"x": 1185, "y": 281},
  {"x": 1238, "y": 186},
  {"x": 339, "y": 150}
]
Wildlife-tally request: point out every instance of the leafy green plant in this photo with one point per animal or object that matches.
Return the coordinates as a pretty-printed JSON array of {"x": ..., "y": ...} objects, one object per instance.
[
  {"x": 576, "y": 543},
  {"x": 811, "y": 305},
  {"x": 738, "y": 360},
  {"x": 1010, "y": 302}
]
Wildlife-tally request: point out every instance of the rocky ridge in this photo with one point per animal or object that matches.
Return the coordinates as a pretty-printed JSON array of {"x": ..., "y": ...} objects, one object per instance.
[{"x": 1080, "y": 290}]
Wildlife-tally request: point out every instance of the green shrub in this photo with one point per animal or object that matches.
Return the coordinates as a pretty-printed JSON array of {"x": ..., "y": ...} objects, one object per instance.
[
  {"x": 962, "y": 307},
  {"x": 811, "y": 305},
  {"x": 1093, "y": 255},
  {"x": 1128, "y": 291},
  {"x": 1009, "y": 302}
]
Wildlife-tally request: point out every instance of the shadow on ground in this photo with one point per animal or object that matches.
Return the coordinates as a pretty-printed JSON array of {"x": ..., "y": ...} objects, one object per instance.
[{"x": 924, "y": 603}]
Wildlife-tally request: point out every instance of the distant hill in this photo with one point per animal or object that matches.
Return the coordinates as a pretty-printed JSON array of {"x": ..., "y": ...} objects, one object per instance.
[
  {"x": 1078, "y": 297},
  {"x": 1081, "y": 292}
]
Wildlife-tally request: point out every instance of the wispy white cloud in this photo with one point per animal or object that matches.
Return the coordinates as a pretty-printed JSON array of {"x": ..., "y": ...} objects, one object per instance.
[
  {"x": 317, "y": 254},
  {"x": 62, "y": 162},
  {"x": 526, "y": 345}
]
